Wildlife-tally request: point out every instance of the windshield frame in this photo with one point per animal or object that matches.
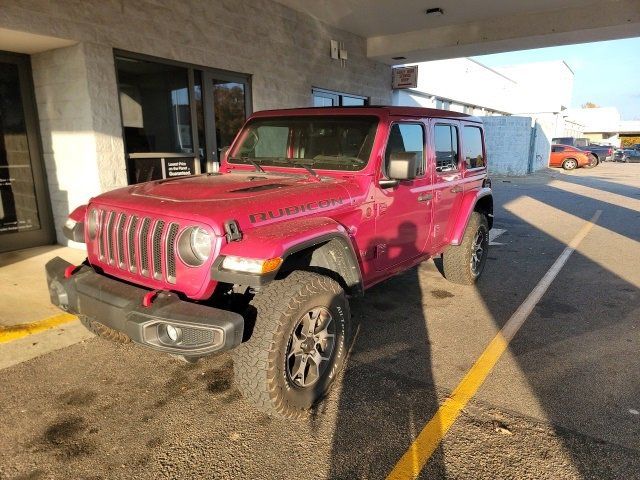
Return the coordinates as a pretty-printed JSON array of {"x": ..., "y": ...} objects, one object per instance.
[{"x": 233, "y": 157}]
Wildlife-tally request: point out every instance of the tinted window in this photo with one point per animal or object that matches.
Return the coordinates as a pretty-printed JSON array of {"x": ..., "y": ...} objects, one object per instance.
[
  {"x": 446, "y": 145},
  {"x": 406, "y": 138},
  {"x": 154, "y": 100},
  {"x": 557, "y": 148},
  {"x": 332, "y": 143},
  {"x": 473, "y": 153}
]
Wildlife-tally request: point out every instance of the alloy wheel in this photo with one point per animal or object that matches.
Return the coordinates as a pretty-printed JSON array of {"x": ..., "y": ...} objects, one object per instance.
[
  {"x": 310, "y": 347},
  {"x": 477, "y": 251}
]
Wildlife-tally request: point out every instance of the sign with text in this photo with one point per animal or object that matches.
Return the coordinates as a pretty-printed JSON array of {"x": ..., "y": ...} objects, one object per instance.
[
  {"x": 177, "y": 167},
  {"x": 405, "y": 77}
]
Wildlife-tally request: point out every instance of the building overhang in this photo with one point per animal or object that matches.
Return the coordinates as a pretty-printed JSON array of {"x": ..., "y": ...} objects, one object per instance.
[
  {"x": 29, "y": 43},
  {"x": 401, "y": 32}
]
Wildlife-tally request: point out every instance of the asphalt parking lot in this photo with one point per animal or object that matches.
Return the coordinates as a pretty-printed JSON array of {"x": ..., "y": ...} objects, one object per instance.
[{"x": 562, "y": 402}]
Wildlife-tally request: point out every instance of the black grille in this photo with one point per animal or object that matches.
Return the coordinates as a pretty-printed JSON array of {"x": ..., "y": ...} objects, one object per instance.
[
  {"x": 120, "y": 226},
  {"x": 156, "y": 249},
  {"x": 144, "y": 251},
  {"x": 171, "y": 252},
  {"x": 196, "y": 336},
  {"x": 136, "y": 243},
  {"x": 101, "y": 238},
  {"x": 110, "y": 237},
  {"x": 131, "y": 239}
]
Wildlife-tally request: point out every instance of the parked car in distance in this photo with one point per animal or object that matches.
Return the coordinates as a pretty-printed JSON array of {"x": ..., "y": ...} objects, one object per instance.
[
  {"x": 568, "y": 157},
  {"x": 602, "y": 153},
  {"x": 627, "y": 155}
]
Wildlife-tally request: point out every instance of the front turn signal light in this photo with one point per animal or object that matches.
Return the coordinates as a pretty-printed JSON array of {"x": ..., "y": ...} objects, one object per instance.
[{"x": 251, "y": 265}]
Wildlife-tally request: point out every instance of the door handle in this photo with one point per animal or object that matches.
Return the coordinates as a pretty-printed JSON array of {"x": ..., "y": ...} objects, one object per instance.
[
  {"x": 425, "y": 198},
  {"x": 456, "y": 189}
]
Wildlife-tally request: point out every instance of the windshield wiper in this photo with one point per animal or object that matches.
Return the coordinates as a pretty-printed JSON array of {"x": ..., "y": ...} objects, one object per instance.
[
  {"x": 307, "y": 167},
  {"x": 255, "y": 164}
]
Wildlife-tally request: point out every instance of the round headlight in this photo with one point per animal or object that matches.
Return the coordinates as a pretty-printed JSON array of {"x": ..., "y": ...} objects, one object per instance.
[
  {"x": 200, "y": 244},
  {"x": 93, "y": 220}
]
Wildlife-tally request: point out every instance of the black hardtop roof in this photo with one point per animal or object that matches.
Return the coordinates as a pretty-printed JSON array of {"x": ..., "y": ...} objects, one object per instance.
[{"x": 387, "y": 109}]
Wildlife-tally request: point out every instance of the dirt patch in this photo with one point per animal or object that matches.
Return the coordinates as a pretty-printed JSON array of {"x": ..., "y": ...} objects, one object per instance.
[
  {"x": 66, "y": 438},
  {"x": 220, "y": 379},
  {"x": 77, "y": 397},
  {"x": 441, "y": 294}
]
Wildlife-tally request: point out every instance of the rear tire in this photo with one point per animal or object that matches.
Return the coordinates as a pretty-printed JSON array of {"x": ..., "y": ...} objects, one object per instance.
[
  {"x": 298, "y": 344},
  {"x": 593, "y": 161},
  {"x": 570, "y": 164},
  {"x": 464, "y": 263}
]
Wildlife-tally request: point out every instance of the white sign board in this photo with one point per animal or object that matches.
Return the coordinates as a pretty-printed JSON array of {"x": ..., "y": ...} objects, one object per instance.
[{"x": 405, "y": 77}]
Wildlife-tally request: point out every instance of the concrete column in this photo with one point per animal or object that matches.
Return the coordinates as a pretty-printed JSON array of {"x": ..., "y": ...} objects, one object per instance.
[{"x": 76, "y": 96}]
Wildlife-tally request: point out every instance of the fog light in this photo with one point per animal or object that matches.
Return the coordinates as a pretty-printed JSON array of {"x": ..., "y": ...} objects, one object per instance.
[{"x": 173, "y": 333}]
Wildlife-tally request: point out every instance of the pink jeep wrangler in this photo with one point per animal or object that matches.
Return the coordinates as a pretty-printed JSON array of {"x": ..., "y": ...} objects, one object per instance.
[{"x": 310, "y": 206}]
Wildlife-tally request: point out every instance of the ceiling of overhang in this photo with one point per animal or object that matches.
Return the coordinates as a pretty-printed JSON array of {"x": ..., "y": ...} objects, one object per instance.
[{"x": 370, "y": 18}]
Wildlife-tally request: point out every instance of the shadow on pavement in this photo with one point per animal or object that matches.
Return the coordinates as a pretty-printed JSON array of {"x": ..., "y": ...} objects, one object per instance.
[{"x": 387, "y": 390}]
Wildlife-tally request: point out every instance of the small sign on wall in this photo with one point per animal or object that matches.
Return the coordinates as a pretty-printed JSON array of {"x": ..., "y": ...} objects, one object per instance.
[{"x": 405, "y": 77}]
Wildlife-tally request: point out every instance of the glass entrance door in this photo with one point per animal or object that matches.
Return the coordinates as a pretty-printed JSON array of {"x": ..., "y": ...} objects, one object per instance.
[
  {"x": 25, "y": 219},
  {"x": 226, "y": 107},
  {"x": 176, "y": 118}
]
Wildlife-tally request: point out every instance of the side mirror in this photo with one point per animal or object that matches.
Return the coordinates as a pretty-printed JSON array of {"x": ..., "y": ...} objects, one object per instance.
[{"x": 403, "y": 166}]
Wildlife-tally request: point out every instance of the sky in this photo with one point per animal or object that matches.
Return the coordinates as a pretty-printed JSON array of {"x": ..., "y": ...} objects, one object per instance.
[{"x": 606, "y": 73}]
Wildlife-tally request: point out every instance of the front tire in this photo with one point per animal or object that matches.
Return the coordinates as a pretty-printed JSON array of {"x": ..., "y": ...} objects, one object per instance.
[
  {"x": 593, "y": 161},
  {"x": 298, "y": 344},
  {"x": 570, "y": 164},
  {"x": 464, "y": 263}
]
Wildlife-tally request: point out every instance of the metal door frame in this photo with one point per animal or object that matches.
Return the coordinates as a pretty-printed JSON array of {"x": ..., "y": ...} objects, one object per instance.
[
  {"x": 45, "y": 235},
  {"x": 208, "y": 109}
]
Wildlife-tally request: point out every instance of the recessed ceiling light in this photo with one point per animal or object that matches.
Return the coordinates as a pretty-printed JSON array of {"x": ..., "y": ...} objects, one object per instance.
[
  {"x": 436, "y": 12},
  {"x": 398, "y": 58}
]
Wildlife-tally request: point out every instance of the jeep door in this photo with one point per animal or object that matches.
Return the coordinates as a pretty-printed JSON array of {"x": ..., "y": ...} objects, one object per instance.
[
  {"x": 403, "y": 211},
  {"x": 447, "y": 179}
]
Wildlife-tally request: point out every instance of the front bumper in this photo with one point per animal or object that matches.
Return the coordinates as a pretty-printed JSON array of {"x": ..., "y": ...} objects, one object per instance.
[{"x": 202, "y": 330}]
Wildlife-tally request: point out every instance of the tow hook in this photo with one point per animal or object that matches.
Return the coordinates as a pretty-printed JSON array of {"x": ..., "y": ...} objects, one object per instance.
[
  {"x": 70, "y": 270},
  {"x": 149, "y": 297}
]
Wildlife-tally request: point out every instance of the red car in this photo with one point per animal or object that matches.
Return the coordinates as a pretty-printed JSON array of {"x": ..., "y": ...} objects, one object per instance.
[
  {"x": 568, "y": 157},
  {"x": 310, "y": 207}
]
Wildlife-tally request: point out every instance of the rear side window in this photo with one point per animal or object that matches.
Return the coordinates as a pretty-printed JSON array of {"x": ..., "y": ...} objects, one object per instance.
[
  {"x": 473, "y": 153},
  {"x": 446, "y": 145},
  {"x": 557, "y": 148},
  {"x": 406, "y": 138}
]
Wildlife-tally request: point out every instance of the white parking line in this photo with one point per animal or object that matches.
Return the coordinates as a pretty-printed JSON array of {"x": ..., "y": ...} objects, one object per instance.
[{"x": 495, "y": 233}]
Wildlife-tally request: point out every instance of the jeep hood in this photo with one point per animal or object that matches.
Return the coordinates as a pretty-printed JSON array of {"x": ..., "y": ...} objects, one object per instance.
[{"x": 249, "y": 198}]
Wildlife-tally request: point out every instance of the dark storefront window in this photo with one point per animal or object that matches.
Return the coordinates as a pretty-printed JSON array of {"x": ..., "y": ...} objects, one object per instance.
[
  {"x": 229, "y": 107},
  {"x": 25, "y": 215},
  {"x": 18, "y": 208},
  {"x": 327, "y": 98},
  {"x": 155, "y": 107},
  {"x": 176, "y": 118}
]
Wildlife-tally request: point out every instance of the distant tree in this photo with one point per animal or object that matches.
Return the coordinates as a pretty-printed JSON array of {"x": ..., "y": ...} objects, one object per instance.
[
  {"x": 590, "y": 105},
  {"x": 630, "y": 141}
]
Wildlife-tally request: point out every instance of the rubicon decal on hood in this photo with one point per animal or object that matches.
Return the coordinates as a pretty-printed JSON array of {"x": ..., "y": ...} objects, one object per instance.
[{"x": 294, "y": 209}]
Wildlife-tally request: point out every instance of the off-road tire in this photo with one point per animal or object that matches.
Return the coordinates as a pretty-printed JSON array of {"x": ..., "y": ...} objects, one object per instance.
[
  {"x": 103, "y": 331},
  {"x": 456, "y": 260},
  {"x": 260, "y": 363},
  {"x": 570, "y": 164}
]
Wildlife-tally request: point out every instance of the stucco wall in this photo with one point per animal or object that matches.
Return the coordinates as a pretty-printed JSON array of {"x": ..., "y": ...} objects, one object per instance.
[
  {"x": 510, "y": 145},
  {"x": 286, "y": 52}
]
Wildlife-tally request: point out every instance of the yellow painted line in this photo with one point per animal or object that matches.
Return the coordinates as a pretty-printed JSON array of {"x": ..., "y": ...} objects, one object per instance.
[
  {"x": 14, "y": 332},
  {"x": 418, "y": 454}
]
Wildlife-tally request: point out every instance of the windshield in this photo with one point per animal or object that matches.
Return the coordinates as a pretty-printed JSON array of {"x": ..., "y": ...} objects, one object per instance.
[{"x": 332, "y": 143}]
